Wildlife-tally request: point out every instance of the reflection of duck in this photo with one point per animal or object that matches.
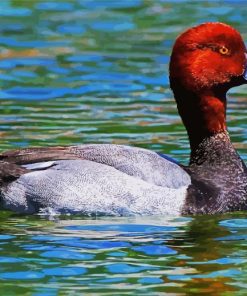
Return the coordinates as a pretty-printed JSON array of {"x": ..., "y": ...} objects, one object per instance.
[
  {"x": 208, "y": 261},
  {"x": 206, "y": 61}
]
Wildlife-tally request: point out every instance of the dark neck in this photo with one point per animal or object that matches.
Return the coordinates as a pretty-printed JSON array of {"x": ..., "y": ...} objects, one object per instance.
[
  {"x": 203, "y": 115},
  {"x": 218, "y": 175},
  {"x": 217, "y": 151}
]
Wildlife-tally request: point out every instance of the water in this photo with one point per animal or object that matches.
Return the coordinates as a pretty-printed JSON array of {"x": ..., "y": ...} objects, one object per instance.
[
  {"x": 130, "y": 256},
  {"x": 95, "y": 71}
]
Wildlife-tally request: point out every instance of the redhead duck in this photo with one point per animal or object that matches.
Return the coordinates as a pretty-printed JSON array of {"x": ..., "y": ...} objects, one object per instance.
[{"x": 206, "y": 61}]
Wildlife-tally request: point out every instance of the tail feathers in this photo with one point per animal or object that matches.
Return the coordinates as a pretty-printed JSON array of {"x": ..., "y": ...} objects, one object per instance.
[
  {"x": 10, "y": 172},
  {"x": 33, "y": 155}
]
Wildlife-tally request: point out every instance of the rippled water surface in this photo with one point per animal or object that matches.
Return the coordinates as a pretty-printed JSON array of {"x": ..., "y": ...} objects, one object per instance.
[{"x": 95, "y": 71}]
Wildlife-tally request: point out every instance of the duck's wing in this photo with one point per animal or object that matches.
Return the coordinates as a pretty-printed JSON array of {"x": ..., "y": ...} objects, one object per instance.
[
  {"x": 138, "y": 162},
  {"x": 141, "y": 163}
]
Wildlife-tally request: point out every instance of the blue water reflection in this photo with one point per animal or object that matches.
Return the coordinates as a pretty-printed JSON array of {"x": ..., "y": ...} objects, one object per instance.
[
  {"x": 53, "y": 6},
  {"x": 65, "y": 271},
  {"x": 154, "y": 250},
  {"x": 119, "y": 268},
  {"x": 109, "y": 4},
  {"x": 21, "y": 275},
  {"x": 64, "y": 254},
  {"x": 110, "y": 251}
]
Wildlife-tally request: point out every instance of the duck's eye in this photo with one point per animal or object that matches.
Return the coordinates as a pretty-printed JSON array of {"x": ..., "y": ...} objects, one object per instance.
[{"x": 224, "y": 50}]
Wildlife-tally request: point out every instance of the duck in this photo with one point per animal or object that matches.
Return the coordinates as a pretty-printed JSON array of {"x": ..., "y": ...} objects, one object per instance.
[{"x": 117, "y": 180}]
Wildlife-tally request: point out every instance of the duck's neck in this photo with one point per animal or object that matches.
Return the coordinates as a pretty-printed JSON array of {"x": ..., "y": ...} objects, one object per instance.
[
  {"x": 218, "y": 175},
  {"x": 215, "y": 151},
  {"x": 204, "y": 117}
]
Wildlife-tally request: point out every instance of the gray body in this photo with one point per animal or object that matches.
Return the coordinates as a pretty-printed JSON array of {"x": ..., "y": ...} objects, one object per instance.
[{"x": 104, "y": 180}]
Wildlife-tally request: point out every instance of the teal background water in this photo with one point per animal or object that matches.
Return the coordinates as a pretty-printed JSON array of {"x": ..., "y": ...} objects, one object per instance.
[{"x": 95, "y": 71}]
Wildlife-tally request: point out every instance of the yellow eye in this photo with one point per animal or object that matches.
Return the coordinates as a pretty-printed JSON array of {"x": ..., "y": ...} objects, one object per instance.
[{"x": 224, "y": 50}]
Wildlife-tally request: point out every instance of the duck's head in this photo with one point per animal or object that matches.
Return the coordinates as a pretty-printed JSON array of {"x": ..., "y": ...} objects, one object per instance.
[
  {"x": 206, "y": 61},
  {"x": 208, "y": 56}
]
